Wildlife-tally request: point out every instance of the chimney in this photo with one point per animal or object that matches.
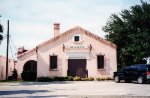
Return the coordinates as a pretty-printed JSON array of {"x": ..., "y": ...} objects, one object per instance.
[
  {"x": 56, "y": 29},
  {"x": 21, "y": 50}
]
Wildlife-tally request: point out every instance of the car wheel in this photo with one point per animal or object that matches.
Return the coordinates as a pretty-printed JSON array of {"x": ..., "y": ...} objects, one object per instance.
[
  {"x": 140, "y": 80},
  {"x": 117, "y": 79}
]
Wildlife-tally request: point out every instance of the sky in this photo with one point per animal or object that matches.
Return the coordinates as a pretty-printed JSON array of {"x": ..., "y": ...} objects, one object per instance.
[{"x": 31, "y": 21}]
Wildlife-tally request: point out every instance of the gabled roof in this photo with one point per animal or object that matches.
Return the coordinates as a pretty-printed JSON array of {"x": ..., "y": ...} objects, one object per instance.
[{"x": 108, "y": 43}]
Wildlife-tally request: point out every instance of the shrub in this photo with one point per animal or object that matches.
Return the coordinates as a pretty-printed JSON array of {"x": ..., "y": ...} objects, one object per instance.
[
  {"x": 83, "y": 79},
  {"x": 77, "y": 78},
  {"x": 10, "y": 78},
  {"x": 91, "y": 79},
  {"x": 28, "y": 76},
  {"x": 59, "y": 78},
  {"x": 100, "y": 79},
  {"x": 109, "y": 78},
  {"x": 48, "y": 79},
  {"x": 69, "y": 78},
  {"x": 87, "y": 79},
  {"x": 44, "y": 79},
  {"x": 15, "y": 74}
]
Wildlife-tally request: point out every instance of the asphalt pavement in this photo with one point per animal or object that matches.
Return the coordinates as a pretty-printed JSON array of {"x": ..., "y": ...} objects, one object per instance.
[{"x": 71, "y": 88}]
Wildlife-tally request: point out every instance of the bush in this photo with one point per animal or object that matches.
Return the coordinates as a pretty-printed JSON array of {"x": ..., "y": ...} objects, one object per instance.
[
  {"x": 77, "y": 78},
  {"x": 91, "y": 79},
  {"x": 48, "y": 79},
  {"x": 84, "y": 79},
  {"x": 109, "y": 78},
  {"x": 100, "y": 79},
  {"x": 10, "y": 78},
  {"x": 44, "y": 79},
  {"x": 87, "y": 79},
  {"x": 69, "y": 78},
  {"x": 15, "y": 74},
  {"x": 59, "y": 78},
  {"x": 28, "y": 76}
]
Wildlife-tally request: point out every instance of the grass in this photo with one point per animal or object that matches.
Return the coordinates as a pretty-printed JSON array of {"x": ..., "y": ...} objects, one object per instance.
[{"x": 11, "y": 81}]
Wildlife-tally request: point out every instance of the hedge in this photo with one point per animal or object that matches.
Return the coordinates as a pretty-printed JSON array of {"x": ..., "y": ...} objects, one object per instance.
[
  {"x": 44, "y": 79},
  {"x": 104, "y": 78}
]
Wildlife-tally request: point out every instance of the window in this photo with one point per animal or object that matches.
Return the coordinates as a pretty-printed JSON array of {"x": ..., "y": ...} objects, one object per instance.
[
  {"x": 130, "y": 68},
  {"x": 76, "y": 38},
  {"x": 142, "y": 67},
  {"x": 53, "y": 62},
  {"x": 100, "y": 61}
]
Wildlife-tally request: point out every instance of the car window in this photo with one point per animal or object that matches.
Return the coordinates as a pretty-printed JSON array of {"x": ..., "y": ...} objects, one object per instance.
[
  {"x": 130, "y": 68},
  {"x": 142, "y": 67}
]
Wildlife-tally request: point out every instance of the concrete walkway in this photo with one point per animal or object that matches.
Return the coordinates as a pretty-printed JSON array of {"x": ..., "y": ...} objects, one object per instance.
[{"x": 65, "y": 89}]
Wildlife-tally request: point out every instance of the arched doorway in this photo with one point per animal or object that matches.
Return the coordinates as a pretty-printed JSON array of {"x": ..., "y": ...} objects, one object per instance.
[
  {"x": 30, "y": 66},
  {"x": 30, "y": 70}
]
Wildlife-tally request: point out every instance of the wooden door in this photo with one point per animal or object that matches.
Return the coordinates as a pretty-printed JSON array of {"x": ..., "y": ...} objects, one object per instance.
[{"x": 77, "y": 67}]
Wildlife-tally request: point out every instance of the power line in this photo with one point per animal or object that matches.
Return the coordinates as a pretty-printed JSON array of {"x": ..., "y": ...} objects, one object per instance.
[
  {"x": 11, "y": 51},
  {"x": 13, "y": 43},
  {"x": 4, "y": 36}
]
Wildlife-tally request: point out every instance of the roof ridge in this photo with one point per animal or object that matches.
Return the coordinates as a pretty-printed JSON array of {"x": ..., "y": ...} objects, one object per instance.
[{"x": 69, "y": 31}]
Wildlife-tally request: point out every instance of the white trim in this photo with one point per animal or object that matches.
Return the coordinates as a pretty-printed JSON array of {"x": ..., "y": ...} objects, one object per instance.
[
  {"x": 80, "y": 39},
  {"x": 77, "y": 55}
]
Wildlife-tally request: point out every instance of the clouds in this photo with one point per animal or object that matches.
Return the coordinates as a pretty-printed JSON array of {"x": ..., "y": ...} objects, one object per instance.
[
  {"x": 56, "y": 9},
  {"x": 31, "y": 21}
]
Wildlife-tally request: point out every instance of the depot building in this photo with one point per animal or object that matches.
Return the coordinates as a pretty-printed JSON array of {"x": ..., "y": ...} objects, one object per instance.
[{"x": 76, "y": 52}]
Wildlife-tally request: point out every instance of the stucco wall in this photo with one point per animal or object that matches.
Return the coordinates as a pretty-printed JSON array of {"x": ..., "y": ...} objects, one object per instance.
[
  {"x": 55, "y": 47},
  {"x": 3, "y": 67},
  {"x": 110, "y": 63}
]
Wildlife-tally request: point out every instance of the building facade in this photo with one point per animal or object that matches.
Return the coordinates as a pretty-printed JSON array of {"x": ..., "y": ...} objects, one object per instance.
[
  {"x": 76, "y": 52},
  {"x": 11, "y": 67}
]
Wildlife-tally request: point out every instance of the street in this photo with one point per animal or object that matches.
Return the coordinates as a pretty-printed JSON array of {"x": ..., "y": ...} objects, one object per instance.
[{"x": 65, "y": 89}]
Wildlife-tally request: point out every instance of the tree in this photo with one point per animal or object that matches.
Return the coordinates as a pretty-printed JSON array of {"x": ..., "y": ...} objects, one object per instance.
[
  {"x": 130, "y": 31},
  {"x": 1, "y": 31}
]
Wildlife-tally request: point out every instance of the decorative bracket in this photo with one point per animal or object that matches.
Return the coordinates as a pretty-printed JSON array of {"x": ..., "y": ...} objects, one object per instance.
[
  {"x": 63, "y": 47},
  {"x": 90, "y": 47},
  {"x": 36, "y": 49}
]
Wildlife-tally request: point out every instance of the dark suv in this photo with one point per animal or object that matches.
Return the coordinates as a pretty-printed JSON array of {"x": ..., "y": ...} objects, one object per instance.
[{"x": 139, "y": 72}]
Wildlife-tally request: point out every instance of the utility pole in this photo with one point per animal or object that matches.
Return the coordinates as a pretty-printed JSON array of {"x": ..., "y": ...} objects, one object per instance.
[{"x": 7, "y": 50}]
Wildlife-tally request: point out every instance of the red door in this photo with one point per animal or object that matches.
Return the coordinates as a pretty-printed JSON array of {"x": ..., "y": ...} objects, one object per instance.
[{"x": 77, "y": 67}]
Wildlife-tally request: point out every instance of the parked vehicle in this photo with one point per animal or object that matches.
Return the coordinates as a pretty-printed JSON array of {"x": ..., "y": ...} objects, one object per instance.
[{"x": 138, "y": 72}]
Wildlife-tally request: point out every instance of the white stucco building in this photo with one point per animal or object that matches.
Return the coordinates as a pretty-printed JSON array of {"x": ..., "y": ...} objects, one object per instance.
[{"x": 76, "y": 52}]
